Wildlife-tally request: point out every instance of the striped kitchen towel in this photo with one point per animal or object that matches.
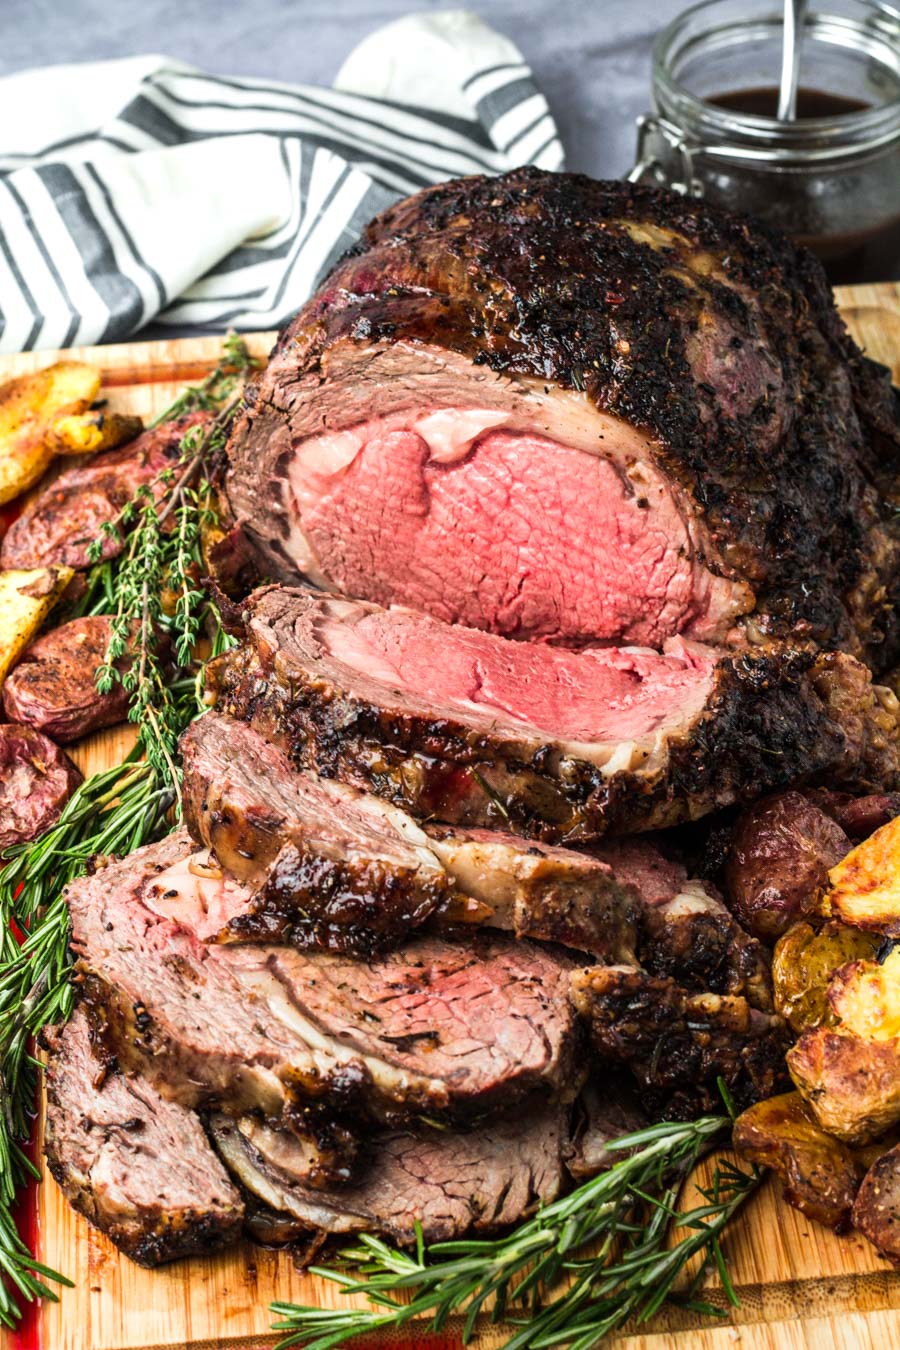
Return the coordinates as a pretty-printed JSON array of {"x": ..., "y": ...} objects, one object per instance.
[{"x": 143, "y": 190}]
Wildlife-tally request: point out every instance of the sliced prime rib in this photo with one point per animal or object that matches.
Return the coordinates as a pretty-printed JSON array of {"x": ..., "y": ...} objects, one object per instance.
[
  {"x": 136, "y": 1165},
  {"x": 685, "y": 929},
  {"x": 448, "y": 1182},
  {"x": 349, "y": 856},
  {"x": 603, "y": 1113},
  {"x": 329, "y": 866},
  {"x": 677, "y": 1042},
  {"x": 332, "y": 867},
  {"x": 449, "y": 1029},
  {"x": 479, "y": 730},
  {"x": 555, "y": 408}
]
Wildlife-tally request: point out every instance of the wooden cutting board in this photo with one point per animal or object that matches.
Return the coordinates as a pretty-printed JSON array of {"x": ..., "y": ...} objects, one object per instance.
[{"x": 800, "y": 1286}]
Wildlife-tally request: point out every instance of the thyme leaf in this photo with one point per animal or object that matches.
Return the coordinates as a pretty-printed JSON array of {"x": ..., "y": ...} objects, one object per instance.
[{"x": 153, "y": 652}]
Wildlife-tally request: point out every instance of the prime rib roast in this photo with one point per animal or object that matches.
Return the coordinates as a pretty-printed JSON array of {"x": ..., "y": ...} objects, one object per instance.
[
  {"x": 558, "y": 409},
  {"x": 573, "y": 517},
  {"x": 563, "y": 745}
]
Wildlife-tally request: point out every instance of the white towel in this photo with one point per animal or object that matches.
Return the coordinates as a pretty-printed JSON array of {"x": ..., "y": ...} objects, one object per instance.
[{"x": 142, "y": 189}]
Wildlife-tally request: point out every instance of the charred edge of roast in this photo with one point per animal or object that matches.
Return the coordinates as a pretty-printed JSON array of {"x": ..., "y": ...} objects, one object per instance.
[
  {"x": 456, "y": 266},
  {"x": 765, "y": 725},
  {"x": 675, "y": 1042}
]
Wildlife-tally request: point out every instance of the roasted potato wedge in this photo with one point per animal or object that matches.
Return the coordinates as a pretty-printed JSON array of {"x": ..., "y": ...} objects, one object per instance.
[
  {"x": 820, "y": 1174},
  {"x": 26, "y": 598},
  {"x": 28, "y": 406},
  {"x": 86, "y": 433},
  {"x": 802, "y": 967},
  {"x": 876, "y": 1211},
  {"x": 865, "y": 886},
  {"x": 851, "y": 1075},
  {"x": 865, "y": 998},
  {"x": 852, "y": 1084}
]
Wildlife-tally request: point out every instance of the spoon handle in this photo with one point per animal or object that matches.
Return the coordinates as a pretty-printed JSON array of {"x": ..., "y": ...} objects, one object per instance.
[{"x": 790, "y": 59}]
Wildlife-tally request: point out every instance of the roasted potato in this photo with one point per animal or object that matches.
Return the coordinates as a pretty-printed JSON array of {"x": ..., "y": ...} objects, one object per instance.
[
  {"x": 86, "y": 433},
  {"x": 802, "y": 967},
  {"x": 26, "y": 598},
  {"x": 778, "y": 862},
  {"x": 28, "y": 406},
  {"x": 851, "y": 1084},
  {"x": 876, "y": 1211},
  {"x": 865, "y": 886},
  {"x": 820, "y": 1174},
  {"x": 865, "y": 998}
]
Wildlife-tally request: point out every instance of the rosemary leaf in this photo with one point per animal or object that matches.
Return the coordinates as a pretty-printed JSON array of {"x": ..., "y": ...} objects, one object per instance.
[{"x": 630, "y": 1210}]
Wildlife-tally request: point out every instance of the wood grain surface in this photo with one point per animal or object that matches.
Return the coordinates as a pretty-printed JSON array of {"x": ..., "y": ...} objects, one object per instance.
[{"x": 801, "y": 1288}]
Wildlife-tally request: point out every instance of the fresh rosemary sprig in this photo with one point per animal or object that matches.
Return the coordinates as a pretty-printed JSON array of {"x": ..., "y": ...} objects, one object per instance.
[
  {"x": 583, "y": 1266},
  {"x": 121, "y": 808}
]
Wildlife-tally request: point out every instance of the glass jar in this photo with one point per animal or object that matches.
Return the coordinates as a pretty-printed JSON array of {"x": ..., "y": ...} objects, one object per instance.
[{"x": 831, "y": 181}]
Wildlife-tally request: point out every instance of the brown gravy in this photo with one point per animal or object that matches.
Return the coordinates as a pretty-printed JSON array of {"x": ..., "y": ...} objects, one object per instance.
[
  {"x": 764, "y": 102},
  {"x": 862, "y": 255}
]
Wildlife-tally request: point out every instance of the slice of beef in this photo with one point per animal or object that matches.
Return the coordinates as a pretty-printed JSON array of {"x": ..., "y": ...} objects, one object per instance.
[
  {"x": 448, "y": 1029},
  {"x": 556, "y": 408},
  {"x": 481, "y": 731},
  {"x": 538, "y": 890},
  {"x": 36, "y": 781},
  {"x": 607, "y": 1110},
  {"x": 53, "y": 688},
  {"x": 245, "y": 801},
  {"x": 139, "y": 1167},
  {"x": 329, "y": 867},
  {"x": 332, "y": 867},
  {"x": 685, "y": 930},
  {"x": 63, "y": 520},
  {"x": 672, "y": 1040},
  {"x": 451, "y": 1183},
  {"x": 781, "y": 852}
]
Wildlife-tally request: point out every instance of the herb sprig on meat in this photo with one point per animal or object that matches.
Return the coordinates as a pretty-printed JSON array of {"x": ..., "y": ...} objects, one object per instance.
[
  {"x": 579, "y": 1269},
  {"x": 115, "y": 811}
]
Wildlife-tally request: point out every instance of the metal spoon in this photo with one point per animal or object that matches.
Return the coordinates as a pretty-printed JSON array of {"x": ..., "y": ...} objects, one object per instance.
[{"x": 794, "y": 11}]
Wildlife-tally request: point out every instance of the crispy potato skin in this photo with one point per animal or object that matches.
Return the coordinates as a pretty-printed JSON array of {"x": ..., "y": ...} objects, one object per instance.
[
  {"x": 876, "y": 1211},
  {"x": 28, "y": 406},
  {"x": 26, "y": 597},
  {"x": 865, "y": 998},
  {"x": 851, "y": 1084},
  {"x": 819, "y": 1174},
  {"x": 865, "y": 886},
  {"x": 803, "y": 965}
]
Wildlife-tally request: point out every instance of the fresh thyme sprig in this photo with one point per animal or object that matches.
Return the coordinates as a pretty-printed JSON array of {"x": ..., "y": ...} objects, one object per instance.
[
  {"x": 583, "y": 1266},
  {"x": 121, "y": 808}
]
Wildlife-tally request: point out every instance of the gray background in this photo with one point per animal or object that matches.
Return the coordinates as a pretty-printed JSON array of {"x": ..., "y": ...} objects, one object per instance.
[{"x": 590, "y": 57}]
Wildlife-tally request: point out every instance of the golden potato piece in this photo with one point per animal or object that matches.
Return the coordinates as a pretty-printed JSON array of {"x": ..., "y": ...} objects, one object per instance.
[
  {"x": 26, "y": 598},
  {"x": 820, "y": 1175},
  {"x": 851, "y": 1084},
  {"x": 803, "y": 965},
  {"x": 86, "y": 433},
  {"x": 876, "y": 1212},
  {"x": 865, "y": 886},
  {"x": 865, "y": 997},
  {"x": 27, "y": 407}
]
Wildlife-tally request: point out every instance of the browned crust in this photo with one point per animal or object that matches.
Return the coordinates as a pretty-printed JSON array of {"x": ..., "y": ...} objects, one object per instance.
[
  {"x": 766, "y": 724},
  {"x": 536, "y": 275}
]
